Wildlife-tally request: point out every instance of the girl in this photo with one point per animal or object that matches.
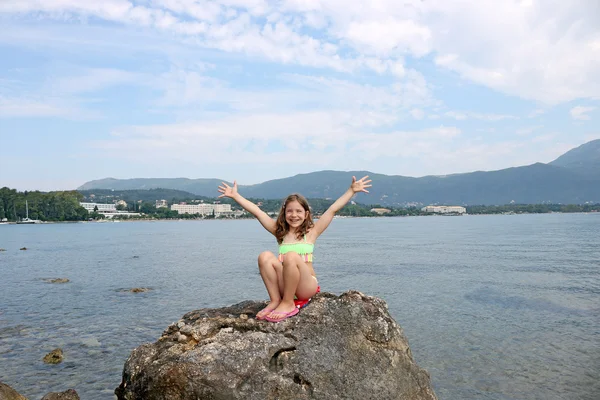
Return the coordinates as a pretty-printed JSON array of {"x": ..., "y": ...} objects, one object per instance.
[{"x": 291, "y": 274}]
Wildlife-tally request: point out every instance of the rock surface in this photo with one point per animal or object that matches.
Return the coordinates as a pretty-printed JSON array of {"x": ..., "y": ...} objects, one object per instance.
[
  {"x": 57, "y": 280},
  {"x": 54, "y": 357},
  {"x": 140, "y": 290},
  {"x": 8, "y": 393},
  {"x": 345, "y": 347},
  {"x": 135, "y": 290},
  {"x": 70, "y": 394}
]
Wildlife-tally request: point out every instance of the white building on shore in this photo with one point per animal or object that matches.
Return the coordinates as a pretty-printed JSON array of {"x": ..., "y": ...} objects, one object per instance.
[
  {"x": 381, "y": 211},
  {"x": 102, "y": 208},
  {"x": 202, "y": 209},
  {"x": 444, "y": 209},
  {"x": 108, "y": 210}
]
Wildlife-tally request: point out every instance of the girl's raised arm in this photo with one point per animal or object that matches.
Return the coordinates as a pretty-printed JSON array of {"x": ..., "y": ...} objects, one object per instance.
[
  {"x": 360, "y": 185},
  {"x": 228, "y": 191}
]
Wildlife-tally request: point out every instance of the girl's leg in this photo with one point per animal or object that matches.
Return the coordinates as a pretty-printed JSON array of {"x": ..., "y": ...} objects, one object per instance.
[
  {"x": 271, "y": 273},
  {"x": 297, "y": 281}
]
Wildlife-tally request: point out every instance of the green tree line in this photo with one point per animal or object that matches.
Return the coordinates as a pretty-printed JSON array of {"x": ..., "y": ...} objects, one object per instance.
[
  {"x": 533, "y": 208},
  {"x": 64, "y": 205},
  {"x": 52, "y": 206}
]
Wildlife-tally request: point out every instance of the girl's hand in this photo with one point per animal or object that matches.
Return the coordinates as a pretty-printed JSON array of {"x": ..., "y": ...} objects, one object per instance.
[
  {"x": 360, "y": 185},
  {"x": 228, "y": 191}
]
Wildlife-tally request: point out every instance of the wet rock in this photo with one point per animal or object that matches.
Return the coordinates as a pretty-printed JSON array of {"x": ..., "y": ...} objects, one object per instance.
[
  {"x": 54, "y": 357},
  {"x": 135, "y": 290},
  {"x": 57, "y": 280},
  {"x": 8, "y": 393},
  {"x": 23, "y": 248},
  {"x": 338, "y": 347},
  {"x": 139, "y": 290},
  {"x": 70, "y": 394}
]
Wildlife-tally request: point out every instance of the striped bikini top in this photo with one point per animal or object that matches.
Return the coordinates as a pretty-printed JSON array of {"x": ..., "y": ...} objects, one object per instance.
[{"x": 304, "y": 249}]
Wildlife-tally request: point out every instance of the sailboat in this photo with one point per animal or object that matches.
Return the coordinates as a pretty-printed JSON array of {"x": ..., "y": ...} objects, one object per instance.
[{"x": 26, "y": 220}]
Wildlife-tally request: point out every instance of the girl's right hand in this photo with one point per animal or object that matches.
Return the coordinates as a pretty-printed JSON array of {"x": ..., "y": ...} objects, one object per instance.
[{"x": 228, "y": 191}]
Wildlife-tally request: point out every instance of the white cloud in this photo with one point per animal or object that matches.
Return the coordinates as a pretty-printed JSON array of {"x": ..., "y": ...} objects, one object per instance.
[
  {"x": 417, "y": 113},
  {"x": 581, "y": 113},
  {"x": 59, "y": 95},
  {"x": 94, "y": 79},
  {"x": 28, "y": 107},
  {"x": 592, "y": 136},
  {"x": 549, "y": 137},
  {"x": 528, "y": 130},
  {"x": 14, "y": 107},
  {"x": 313, "y": 140},
  {"x": 308, "y": 83},
  {"x": 369, "y": 105},
  {"x": 536, "y": 113},
  {"x": 542, "y": 54},
  {"x": 548, "y": 52},
  {"x": 456, "y": 115},
  {"x": 492, "y": 117},
  {"x": 461, "y": 116},
  {"x": 388, "y": 36}
]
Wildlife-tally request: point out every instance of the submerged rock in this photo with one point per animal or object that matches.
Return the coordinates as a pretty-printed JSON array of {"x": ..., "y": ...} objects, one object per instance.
[
  {"x": 57, "y": 280},
  {"x": 8, "y": 393},
  {"x": 338, "y": 347},
  {"x": 135, "y": 290},
  {"x": 70, "y": 394},
  {"x": 140, "y": 290},
  {"x": 54, "y": 357}
]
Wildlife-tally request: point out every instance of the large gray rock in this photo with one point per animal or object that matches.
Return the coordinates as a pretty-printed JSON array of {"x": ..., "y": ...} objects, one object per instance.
[{"x": 345, "y": 347}]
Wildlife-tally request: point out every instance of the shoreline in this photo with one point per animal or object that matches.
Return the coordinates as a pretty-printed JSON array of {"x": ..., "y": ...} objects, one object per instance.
[{"x": 119, "y": 220}]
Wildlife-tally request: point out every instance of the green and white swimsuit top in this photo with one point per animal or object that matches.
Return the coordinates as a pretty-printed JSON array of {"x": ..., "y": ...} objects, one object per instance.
[{"x": 304, "y": 249}]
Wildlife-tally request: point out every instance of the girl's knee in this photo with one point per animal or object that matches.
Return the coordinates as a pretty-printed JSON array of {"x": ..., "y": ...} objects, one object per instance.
[
  {"x": 291, "y": 258},
  {"x": 265, "y": 256}
]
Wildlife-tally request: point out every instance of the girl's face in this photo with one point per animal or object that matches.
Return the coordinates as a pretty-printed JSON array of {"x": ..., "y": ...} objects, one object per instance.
[{"x": 295, "y": 214}]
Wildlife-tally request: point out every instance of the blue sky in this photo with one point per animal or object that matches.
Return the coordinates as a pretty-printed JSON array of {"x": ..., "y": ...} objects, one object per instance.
[{"x": 256, "y": 90}]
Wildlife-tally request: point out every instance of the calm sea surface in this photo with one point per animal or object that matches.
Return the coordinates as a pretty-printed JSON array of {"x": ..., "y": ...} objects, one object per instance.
[{"x": 494, "y": 307}]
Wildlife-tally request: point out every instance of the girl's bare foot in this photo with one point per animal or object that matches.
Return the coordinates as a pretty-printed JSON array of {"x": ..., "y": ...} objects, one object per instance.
[
  {"x": 281, "y": 311},
  {"x": 267, "y": 310}
]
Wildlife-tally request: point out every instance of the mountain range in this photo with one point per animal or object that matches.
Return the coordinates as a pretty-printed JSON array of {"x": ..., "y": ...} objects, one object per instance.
[{"x": 573, "y": 178}]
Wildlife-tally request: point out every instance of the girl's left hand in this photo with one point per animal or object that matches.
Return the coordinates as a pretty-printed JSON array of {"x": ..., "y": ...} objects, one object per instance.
[{"x": 360, "y": 185}]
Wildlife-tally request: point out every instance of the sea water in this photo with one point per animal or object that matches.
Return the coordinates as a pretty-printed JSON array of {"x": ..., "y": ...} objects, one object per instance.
[{"x": 494, "y": 307}]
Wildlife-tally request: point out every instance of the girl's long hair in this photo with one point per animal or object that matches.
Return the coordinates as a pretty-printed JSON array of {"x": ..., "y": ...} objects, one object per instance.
[{"x": 282, "y": 226}]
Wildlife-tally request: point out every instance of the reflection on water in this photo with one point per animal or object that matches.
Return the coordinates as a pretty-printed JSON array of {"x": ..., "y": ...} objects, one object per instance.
[{"x": 495, "y": 307}]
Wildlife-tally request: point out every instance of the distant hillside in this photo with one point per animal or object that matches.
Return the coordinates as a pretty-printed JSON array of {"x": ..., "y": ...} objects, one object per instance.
[
  {"x": 583, "y": 159},
  {"x": 196, "y": 186},
  {"x": 573, "y": 178}
]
